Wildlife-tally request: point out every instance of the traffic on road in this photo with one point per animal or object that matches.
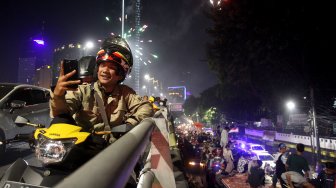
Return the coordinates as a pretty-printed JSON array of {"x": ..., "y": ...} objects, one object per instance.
[{"x": 246, "y": 154}]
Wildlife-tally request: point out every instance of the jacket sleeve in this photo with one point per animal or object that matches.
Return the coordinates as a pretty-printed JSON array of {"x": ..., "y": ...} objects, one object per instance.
[
  {"x": 69, "y": 103},
  {"x": 138, "y": 108}
]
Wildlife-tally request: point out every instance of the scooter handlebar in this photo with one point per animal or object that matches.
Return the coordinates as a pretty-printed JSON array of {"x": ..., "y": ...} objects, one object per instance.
[{"x": 123, "y": 128}]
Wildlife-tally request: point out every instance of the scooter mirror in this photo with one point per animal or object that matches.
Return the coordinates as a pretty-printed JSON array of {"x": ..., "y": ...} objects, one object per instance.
[{"x": 21, "y": 121}]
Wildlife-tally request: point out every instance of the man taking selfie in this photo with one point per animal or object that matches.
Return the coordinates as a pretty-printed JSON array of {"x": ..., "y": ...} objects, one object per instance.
[{"x": 120, "y": 103}]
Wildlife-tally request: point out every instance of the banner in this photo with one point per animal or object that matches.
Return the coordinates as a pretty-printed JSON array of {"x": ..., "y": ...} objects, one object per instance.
[
  {"x": 234, "y": 130},
  {"x": 269, "y": 135}
]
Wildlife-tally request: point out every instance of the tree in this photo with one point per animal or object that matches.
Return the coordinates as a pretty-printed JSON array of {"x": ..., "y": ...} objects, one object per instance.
[
  {"x": 257, "y": 52},
  {"x": 190, "y": 106}
]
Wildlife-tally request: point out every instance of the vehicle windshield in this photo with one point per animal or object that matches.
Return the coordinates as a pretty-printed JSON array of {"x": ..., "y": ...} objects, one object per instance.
[
  {"x": 266, "y": 157},
  {"x": 4, "y": 89},
  {"x": 257, "y": 148}
]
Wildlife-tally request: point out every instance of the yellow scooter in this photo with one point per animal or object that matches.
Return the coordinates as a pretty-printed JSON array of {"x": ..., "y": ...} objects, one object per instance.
[{"x": 61, "y": 148}]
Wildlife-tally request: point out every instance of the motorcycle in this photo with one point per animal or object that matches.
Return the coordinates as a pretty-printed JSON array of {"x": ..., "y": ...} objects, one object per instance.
[
  {"x": 61, "y": 148},
  {"x": 215, "y": 167}
]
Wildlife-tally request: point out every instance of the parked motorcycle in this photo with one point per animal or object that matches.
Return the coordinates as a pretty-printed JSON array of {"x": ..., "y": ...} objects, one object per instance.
[{"x": 61, "y": 148}]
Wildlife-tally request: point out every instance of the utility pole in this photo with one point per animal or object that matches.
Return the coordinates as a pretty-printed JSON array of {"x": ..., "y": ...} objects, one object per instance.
[
  {"x": 122, "y": 18},
  {"x": 315, "y": 133}
]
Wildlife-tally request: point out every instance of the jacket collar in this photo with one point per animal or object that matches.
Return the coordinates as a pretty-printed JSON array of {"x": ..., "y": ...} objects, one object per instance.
[{"x": 100, "y": 90}]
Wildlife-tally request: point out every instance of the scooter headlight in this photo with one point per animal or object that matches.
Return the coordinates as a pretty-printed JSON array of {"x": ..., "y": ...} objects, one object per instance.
[{"x": 50, "y": 151}]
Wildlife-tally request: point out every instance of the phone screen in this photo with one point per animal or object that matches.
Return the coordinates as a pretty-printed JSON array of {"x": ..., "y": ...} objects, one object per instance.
[{"x": 69, "y": 66}]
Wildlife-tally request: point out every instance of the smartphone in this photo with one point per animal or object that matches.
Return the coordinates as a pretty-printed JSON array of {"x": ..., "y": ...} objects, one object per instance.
[{"x": 68, "y": 66}]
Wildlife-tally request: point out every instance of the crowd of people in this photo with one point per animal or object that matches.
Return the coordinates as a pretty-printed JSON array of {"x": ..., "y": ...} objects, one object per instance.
[{"x": 223, "y": 159}]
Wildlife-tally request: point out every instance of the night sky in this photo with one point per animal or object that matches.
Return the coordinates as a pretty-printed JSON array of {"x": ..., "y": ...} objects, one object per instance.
[{"x": 177, "y": 29}]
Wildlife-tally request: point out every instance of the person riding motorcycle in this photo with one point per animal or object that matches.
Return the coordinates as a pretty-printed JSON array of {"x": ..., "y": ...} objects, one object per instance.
[
  {"x": 122, "y": 105},
  {"x": 215, "y": 167},
  {"x": 75, "y": 133}
]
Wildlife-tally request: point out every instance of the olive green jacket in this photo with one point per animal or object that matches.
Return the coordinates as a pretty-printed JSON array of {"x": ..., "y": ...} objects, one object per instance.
[{"x": 121, "y": 106}]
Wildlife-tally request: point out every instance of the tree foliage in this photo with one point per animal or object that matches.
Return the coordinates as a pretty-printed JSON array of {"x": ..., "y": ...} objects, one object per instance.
[
  {"x": 190, "y": 105},
  {"x": 266, "y": 51},
  {"x": 257, "y": 53}
]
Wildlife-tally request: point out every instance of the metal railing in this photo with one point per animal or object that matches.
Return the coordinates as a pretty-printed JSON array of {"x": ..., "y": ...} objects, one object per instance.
[{"x": 113, "y": 166}]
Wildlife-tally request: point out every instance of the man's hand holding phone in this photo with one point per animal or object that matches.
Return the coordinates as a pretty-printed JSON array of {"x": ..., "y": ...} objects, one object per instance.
[{"x": 67, "y": 79}]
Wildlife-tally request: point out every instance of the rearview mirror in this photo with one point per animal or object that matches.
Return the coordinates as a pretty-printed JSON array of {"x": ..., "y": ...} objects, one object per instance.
[{"x": 21, "y": 121}]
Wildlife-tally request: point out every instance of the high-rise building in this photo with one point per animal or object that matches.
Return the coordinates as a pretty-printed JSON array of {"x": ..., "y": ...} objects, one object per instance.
[
  {"x": 43, "y": 76},
  {"x": 26, "y": 70},
  {"x": 176, "y": 97},
  {"x": 177, "y": 94}
]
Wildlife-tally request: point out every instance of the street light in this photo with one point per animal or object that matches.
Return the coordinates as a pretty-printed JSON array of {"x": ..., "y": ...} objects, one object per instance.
[
  {"x": 147, "y": 77},
  {"x": 88, "y": 45},
  {"x": 290, "y": 105},
  {"x": 154, "y": 82},
  {"x": 315, "y": 144},
  {"x": 145, "y": 88}
]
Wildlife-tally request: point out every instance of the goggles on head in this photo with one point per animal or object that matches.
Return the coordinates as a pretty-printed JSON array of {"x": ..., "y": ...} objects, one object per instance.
[
  {"x": 110, "y": 56},
  {"x": 113, "y": 56}
]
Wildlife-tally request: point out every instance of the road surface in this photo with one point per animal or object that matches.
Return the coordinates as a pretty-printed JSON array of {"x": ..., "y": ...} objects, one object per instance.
[{"x": 15, "y": 151}]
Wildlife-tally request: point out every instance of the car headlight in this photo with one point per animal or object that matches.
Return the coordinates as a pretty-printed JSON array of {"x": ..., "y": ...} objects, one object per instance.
[
  {"x": 52, "y": 151},
  {"x": 192, "y": 163}
]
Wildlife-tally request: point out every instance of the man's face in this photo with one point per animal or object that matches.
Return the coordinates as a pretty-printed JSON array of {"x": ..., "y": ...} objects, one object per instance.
[
  {"x": 107, "y": 74},
  {"x": 283, "y": 149}
]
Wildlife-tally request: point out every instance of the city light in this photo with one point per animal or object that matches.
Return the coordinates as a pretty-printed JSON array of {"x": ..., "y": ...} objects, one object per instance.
[
  {"x": 290, "y": 105},
  {"x": 89, "y": 44},
  {"x": 179, "y": 88},
  {"x": 39, "y": 41},
  {"x": 148, "y": 78}
]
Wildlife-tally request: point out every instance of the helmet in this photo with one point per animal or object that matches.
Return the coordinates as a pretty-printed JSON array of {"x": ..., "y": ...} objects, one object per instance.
[
  {"x": 115, "y": 49},
  {"x": 282, "y": 145},
  {"x": 151, "y": 99}
]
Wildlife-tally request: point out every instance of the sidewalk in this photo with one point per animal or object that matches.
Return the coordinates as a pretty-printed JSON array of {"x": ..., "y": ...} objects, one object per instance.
[{"x": 239, "y": 181}]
